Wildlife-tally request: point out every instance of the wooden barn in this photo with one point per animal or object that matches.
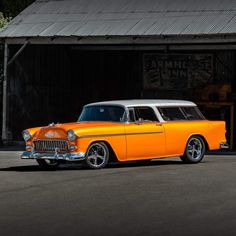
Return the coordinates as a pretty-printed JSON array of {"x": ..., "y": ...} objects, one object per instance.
[{"x": 60, "y": 55}]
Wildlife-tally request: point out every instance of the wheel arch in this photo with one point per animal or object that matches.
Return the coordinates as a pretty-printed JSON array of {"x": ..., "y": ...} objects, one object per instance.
[
  {"x": 113, "y": 156},
  {"x": 203, "y": 138}
]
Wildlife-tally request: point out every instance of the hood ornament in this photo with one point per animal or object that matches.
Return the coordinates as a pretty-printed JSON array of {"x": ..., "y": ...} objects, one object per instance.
[
  {"x": 51, "y": 134},
  {"x": 53, "y": 124}
]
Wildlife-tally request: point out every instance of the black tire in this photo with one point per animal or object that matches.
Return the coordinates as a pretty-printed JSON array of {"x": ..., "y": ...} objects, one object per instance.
[
  {"x": 48, "y": 164},
  {"x": 97, "y": 156},
  {"x": 194, "y": 151}
]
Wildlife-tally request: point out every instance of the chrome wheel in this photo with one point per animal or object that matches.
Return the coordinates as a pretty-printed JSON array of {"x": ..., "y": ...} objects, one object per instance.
[
  {"x": 194, "y": 148},
  {"x": 97, "y": 155}
]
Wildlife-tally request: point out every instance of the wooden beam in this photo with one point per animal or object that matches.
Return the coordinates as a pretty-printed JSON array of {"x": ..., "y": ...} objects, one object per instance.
[
  {"x": 17, "y": 53},
  {"x": 4, "y": 100},
  {"x": 130, "y": 40}
]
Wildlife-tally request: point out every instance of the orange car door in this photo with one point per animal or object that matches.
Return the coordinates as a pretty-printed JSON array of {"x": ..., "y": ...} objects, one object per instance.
[{"x": 145, "y": 136}]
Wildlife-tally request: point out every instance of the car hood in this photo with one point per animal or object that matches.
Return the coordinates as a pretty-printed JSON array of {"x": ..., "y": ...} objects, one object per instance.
[{"x": 59, "y": 131}]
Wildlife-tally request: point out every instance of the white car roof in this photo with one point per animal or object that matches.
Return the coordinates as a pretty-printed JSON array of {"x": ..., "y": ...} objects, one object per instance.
[{"x": 145, "y": 102}]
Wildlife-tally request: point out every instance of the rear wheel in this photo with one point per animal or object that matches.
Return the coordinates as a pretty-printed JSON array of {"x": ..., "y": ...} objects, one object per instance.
[
  {"x": 48, "y": 164},
  {"x": 194, "y": 151},
  {"x": 97, "y": 155}
]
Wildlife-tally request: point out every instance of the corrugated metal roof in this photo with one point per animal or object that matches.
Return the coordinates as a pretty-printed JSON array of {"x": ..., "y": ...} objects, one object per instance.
[{"x": 49, "y": 18}]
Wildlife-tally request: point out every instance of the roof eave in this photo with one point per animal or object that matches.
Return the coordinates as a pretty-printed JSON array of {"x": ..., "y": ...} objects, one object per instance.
[{"x": 127, "y": 39}]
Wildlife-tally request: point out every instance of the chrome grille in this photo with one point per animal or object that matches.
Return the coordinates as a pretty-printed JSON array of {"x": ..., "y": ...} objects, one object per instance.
[{"x": 60, "y": 146}]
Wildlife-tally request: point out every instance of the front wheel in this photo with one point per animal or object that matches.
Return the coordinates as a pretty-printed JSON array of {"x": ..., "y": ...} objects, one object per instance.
[
  {"x": 194, "y": 151},
  {"x": 97, "y": 155},
  {"x": 48, "y": 164}
]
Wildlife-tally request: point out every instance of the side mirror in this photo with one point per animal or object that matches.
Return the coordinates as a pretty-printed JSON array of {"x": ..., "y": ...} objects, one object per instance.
[{"x": 139, "y": 121}]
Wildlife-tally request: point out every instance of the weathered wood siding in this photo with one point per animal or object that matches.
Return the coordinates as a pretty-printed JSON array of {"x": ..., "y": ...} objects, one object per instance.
[{"x": 52, "y": 83}]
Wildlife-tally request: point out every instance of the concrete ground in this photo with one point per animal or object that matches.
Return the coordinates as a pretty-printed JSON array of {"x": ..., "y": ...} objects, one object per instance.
[{"x": 165, "y": 197}]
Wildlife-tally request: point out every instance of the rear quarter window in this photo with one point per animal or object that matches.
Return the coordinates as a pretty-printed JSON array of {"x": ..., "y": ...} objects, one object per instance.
[
  {"x": 180, "y": 113},
  {"x": 171, "y": 113},
  {"x": 192, "y": 113}
]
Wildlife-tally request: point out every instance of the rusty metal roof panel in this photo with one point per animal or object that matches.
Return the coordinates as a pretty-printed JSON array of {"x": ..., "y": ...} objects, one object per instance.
[{"x": 49, "y": 18}]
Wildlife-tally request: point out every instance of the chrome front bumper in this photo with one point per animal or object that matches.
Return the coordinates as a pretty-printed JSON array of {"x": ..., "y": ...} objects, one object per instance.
[
  {"x": 224, "y": 145},
  {"x": 66, "y": 156}
]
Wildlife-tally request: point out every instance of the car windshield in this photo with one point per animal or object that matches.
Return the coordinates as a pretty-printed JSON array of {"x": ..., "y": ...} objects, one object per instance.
[{"x": 103, "y": 113}]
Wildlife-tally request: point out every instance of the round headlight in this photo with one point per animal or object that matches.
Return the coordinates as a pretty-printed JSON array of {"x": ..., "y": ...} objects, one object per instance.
[
  {"x": 26, "y": 135},
  {"x": 71, "y": 135}
]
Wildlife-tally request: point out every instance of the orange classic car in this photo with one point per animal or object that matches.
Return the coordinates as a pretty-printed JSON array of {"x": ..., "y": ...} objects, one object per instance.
[{"x": 129, "y": 130}]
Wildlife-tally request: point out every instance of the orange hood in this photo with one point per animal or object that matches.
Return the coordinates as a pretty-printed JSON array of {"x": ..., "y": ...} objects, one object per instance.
[{"x": 59, "y": 131}]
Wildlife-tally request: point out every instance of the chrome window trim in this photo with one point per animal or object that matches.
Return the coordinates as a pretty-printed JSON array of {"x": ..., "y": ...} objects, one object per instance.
[
  {"x": 158, "y": 114},
  {"x": 183, "y": 112},
  {"x": 199, "y": 112},
  {"x": 128, "y": 109}
]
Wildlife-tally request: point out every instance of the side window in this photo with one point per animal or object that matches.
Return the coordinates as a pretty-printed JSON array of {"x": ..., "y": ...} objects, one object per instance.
[
  {"x": 145, "y": 114},
  {"x": 192, "y": 113},
  {"x": 171, "y": 113}
]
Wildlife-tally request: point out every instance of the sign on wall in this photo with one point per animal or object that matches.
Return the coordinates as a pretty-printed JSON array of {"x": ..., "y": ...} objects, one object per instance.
[{"x": 177, "y": 71}]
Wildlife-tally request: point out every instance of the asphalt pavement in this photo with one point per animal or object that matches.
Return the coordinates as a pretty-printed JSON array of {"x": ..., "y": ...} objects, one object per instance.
[{"x": 165, "y": 197}]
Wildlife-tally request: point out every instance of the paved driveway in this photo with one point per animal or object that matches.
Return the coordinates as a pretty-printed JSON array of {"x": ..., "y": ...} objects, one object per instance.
[{"x": 165, "y": 197}]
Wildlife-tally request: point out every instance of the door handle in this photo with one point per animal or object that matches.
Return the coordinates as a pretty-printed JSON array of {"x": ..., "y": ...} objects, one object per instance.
[{"x": 158, "y": 124}]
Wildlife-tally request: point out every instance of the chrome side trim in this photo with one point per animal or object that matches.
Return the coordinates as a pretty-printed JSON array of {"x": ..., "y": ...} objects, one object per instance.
[
  {"x": 66, "y": 156},
  {"x": 110, "y": 135},
  {"x": 224, "y": 145},
  {"x": 144, "y": 133}
]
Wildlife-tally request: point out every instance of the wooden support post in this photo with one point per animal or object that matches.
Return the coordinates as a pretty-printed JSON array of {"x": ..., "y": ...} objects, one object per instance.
[
  {"x": 7, "y": 63},
  {"x": 4, "y": 100}
]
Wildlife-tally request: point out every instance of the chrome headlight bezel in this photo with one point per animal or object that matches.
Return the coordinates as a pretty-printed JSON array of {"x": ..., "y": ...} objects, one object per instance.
[
  {"x": 26, "y": 135},
  {"x": 71, "y": 135}
]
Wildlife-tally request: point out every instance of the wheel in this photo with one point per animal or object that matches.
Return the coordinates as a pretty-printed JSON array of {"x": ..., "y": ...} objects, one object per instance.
[
  {"x": 48, "y": 164},
  {"x": 194, "y": 151},
  {"x": 97, "y": 155},
  {"x": 143, "y": 162}
]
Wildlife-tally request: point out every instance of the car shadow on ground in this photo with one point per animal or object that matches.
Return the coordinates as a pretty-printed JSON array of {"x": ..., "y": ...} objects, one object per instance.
[{"x": 79, "y": 166}]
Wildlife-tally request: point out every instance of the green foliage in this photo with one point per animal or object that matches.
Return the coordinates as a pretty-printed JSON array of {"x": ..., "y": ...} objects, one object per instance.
[
  {"x": 3, "y": 20},
  {"x": 8, "y": 10}
]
